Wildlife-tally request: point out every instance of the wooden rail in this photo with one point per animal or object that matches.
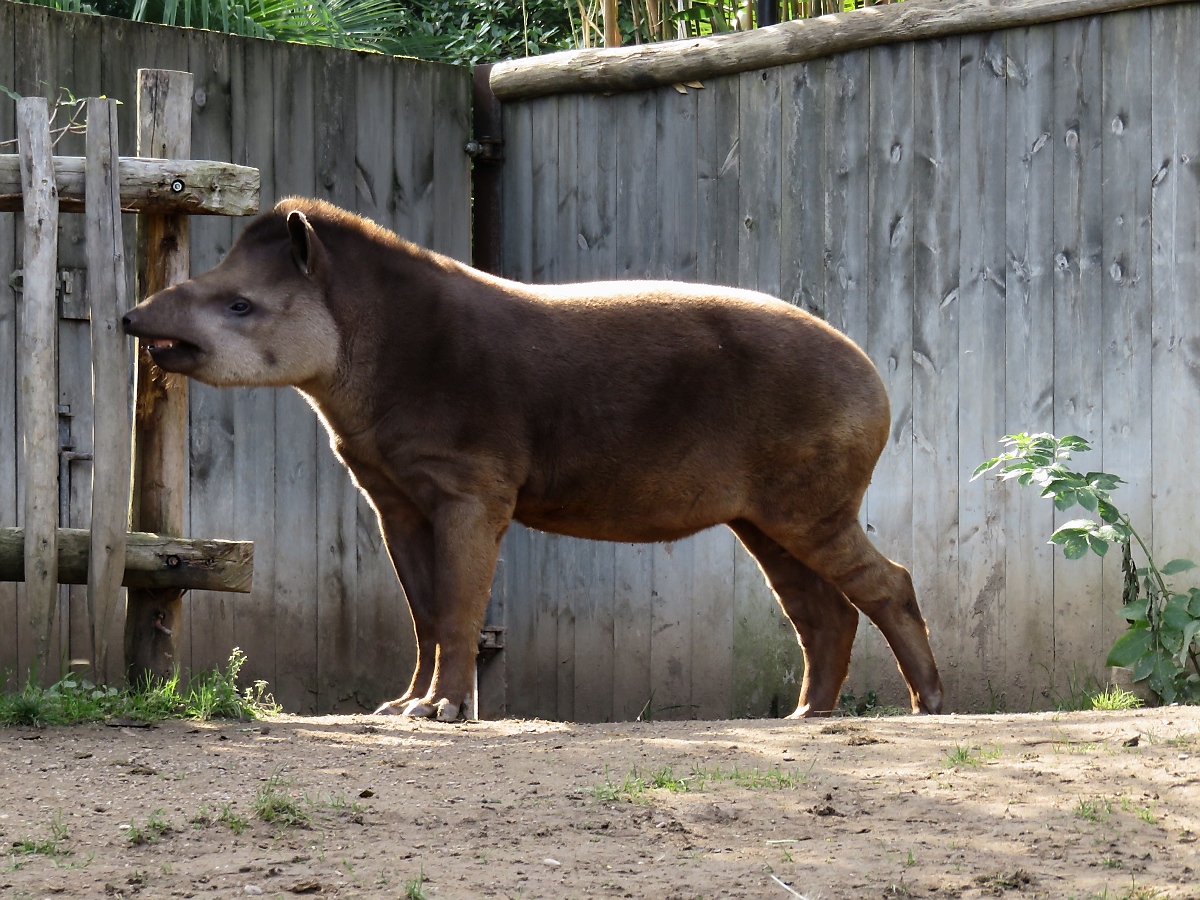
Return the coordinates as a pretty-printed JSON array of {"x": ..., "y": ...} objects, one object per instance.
[
  {"x": 152, "y": 561},
  {"x": 196, "y": 187},
  {"x": 675, "y": 62}
]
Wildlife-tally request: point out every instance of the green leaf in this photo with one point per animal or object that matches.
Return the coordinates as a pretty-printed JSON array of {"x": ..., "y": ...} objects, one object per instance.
[
  {"x": 1111, "y": 534},
  {"x": 983, "y": 467},
  {"x": 1136, "y": 611},
  {"x": 1189, "y": 635},
  {"x": 1175, "y": 566},
  {"x": 1074, "y": 443},
  {"x": 1087, "y": 499},
  {"x": 1075, "y": 547},
  {"x": 1176, "y": 613},
  {"x": 1133, "y": 645},
  {"x": 1194, "y": 603},
  {"x": 1098, "y": 544},
  {"x": 1108, "y": 512},
  {"x": 1141, "y": 667}
]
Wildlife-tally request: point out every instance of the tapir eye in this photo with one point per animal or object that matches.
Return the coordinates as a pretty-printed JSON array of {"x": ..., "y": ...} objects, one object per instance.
[{"x": 240, "y": 306}]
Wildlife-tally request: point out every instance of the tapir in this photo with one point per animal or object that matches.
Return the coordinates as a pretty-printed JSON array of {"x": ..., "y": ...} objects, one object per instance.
[{"x": 633, "y": 411}]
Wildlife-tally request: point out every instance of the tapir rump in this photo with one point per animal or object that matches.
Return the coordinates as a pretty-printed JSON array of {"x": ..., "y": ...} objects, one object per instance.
[{"x": 623, "y": 411}]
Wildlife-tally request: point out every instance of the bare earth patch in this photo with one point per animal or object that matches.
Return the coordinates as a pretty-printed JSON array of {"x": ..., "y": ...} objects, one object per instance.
[{"x": 1041, "y": 805}]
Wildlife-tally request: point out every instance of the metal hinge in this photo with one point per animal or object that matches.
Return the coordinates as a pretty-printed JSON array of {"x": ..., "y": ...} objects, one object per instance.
[
  {"x": 491, "y": 639},
  {"x": 485, "y": 149}
]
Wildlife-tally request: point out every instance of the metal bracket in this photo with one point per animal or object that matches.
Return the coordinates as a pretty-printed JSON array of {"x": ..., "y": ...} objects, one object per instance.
[
  {"x": 491, "y": 639},
  {"x": 485, "y": 149}
]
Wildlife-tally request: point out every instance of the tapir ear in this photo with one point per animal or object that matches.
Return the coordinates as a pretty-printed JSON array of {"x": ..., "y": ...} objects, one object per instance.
[{"x": 306, "y": 248}]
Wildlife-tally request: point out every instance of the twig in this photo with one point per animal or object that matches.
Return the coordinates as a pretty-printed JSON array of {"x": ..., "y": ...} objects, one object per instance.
[{"x": 788, "y": 888}]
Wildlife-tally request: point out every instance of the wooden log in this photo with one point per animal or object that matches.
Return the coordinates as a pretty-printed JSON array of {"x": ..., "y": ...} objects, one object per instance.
[
  {"x": 673, "y": 62},
  {"x": 198, "y": 187},
  {"x": 151, "y": 561},
  {"x": 38, "y": 379},
  {"x": 160, "y": 412},
  {"x": 110, "y": 392}
]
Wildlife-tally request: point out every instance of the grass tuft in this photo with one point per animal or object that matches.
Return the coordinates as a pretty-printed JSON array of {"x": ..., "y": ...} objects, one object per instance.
[
  {"x": 74, "y": 699},
  {"x": 1113, "y": 698},
  {"x": 275, "y": 804}
]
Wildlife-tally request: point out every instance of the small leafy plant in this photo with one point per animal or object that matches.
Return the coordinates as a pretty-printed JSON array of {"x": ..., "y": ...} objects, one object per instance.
[{"x": 1161, "y": 644}]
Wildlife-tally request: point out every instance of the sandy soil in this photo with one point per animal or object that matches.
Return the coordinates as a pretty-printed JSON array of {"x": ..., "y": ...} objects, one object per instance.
[{"x": 1043, "y": 805}]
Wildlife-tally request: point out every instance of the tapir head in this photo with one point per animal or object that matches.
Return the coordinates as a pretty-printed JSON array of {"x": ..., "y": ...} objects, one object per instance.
[{"x": 261, "y": 317}]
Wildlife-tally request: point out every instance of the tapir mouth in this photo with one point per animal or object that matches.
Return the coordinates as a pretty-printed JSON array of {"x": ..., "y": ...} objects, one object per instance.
[{"x": 173, "y": 354}]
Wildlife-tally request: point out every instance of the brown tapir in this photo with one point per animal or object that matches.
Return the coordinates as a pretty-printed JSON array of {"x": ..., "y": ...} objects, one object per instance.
[{"x": 623, "y": 411}]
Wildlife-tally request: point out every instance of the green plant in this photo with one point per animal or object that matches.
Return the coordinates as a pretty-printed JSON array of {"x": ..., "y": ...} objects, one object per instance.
[
  {"x": 1161, "y": 644},
  {"x": 151, "y": 830},
  {"x": 51, "y": 846},
  {"x": 1115, "y": 698},
  {"x": 971, "y": 756},
  {"x": 275, "y": 804},
  {"x": 415, "y": 889},
  {"x": 1093, "y": 809}
]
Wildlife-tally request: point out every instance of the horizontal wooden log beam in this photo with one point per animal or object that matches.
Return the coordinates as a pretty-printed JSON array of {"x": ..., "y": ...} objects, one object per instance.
[
  {"x": 196, "y": 187},
  {"x": 674, "y": 62},
  {"x": 151, "y": 561}
]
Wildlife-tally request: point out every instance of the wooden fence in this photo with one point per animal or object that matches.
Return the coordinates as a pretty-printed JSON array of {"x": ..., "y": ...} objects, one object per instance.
[
  {"x": 326, "y": 623},
  {"x": 1007, "y": 222}
]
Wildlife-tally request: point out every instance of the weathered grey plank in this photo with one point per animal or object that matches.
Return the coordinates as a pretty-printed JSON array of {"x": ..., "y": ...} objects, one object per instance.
[
  {"x": 374, "y": 163},
  {"x": 632, "y": 587},
  {"x": 38, "y": 381},
  {"x": 981, "y": 364},
  {"x": 335, "y": 147},
  {"x": 110, "y": 390},
  {"x": 890, "y": 283},
  {"x": 252, "y": 107},
  {"x": 9, "y": 441},
  {"x": 210, "y": 633},
  {"x": 718, "y": 168},
  {"x": 802, "y": 213},
  {"x": 760, "y": 183},
  {"x": 936, "y": 471},
  {"x": 1127, "y": 172},
  {"x": 296, "y": 426},
  {"x": 1029, "y": 353},
  {"x": 413, "y": 143},
  {"x": 546, "y": 574},
  {"x": 1175, "y": 259},
  {"x": 451, "y": 186},
  {"x": 1078, "y": 403}
]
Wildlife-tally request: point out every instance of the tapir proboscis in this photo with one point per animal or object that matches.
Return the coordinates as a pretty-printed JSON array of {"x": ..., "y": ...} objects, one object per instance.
[{"x": 618, "y": 411}]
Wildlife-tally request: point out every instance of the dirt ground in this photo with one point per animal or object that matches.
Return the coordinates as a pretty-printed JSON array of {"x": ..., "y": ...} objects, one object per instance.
[{"x": 1043, "y": 805}]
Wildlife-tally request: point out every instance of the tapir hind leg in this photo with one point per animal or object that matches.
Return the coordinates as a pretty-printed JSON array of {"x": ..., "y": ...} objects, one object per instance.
[
  {"x": 883, "y": 590},
  {"x": 824, "y": 620}
]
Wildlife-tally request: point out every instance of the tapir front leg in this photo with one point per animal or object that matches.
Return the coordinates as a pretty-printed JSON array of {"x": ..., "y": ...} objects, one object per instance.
[
  {"x": 409, "y": 539},
  {"x": 466, "y": 545}
]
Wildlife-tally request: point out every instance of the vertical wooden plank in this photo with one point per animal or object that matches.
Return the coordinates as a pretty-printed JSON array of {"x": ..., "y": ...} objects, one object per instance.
[
  {"x": 890, "y": 282},
  {"x": 802, "y": 213},
  {"x": 384, "y": 642},
  {"x": 75, "y": 61},
  {"x": 1175, "y": 35},
  {"x": 111, "y": 443},
  {"x": 1126, "y": 198},
  {"x": 767, "y": 657},
  {"x": 847, "y": 137},
  {"x": 1029, "y": 358},
  {"x": 936, "y": 177},
  {"x": 154, "y": 618},
  {"x": 633, "y": 580},
  {"x": 9, "y": 441},
  {"x": 715, "y": 213},
  {"x": 981, "y": 363},
  {"x": 593, "y": 243},
  {"x": 521, "y": 615},
  {"x": 295, "y": 424},
  {"x": 545, "y": 569},
  {"x": 637, "y": 256},
  {"x": 34, "y": 56},
  {"x": 672, "y": 614},
  {"x": 451, "y": 165},
  {"x": 413, "y": 143},
  {"x": 210, "y": 634},
  {"x": 1078, "y": 237},
  {"x": 335, "y": 109},
  {"x": 38, "y": 383},
  {"x": 252, "y": 102}
]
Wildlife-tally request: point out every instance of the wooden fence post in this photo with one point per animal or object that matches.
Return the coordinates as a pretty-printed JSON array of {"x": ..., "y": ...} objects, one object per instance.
[
  {"x": 110, "y": 390},
  {"x": 164, "y": 109},
  {"x": 38, "y": 368}
]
